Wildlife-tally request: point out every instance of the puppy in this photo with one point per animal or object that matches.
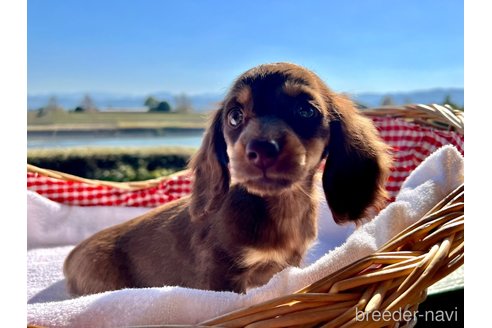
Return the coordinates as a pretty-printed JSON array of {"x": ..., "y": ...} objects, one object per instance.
[{"x": 253, "y": 206}]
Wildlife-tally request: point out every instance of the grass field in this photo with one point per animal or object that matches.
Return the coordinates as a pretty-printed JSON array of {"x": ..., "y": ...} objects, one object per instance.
[
  {"x": 113, "y": 120},
  {"x": 114, "y": 164}
]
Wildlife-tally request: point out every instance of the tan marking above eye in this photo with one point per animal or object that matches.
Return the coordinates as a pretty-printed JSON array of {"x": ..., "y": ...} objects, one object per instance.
[
  {"x": 292, "y": 89},
  {"x": 243, "y": 96}
]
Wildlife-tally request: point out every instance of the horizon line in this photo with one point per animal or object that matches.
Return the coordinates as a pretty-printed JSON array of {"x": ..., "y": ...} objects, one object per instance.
[{"x": 116, "y": 93}]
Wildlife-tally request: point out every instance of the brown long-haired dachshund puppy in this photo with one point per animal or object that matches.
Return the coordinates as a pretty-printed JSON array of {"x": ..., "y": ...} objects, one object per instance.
[{"x": 253, "y": 207}]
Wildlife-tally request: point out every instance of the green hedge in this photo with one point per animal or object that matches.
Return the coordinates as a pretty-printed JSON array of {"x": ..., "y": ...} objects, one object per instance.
[{"x": 113, "y": 164}]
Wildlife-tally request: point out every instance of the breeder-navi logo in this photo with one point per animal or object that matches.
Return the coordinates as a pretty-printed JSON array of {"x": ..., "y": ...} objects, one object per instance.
[{"x": 407, "y": 315}]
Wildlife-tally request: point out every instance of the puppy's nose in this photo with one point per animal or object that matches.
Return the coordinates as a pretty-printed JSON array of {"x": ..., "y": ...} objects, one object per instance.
[{"x": 262, "y": 153}]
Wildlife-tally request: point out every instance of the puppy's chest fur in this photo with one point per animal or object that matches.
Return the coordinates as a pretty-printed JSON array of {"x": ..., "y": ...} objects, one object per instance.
[{"x": 266, "y": 234}]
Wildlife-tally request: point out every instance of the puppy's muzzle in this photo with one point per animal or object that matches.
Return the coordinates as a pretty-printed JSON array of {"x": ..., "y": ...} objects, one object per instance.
[{"x": 262, "y": 153}]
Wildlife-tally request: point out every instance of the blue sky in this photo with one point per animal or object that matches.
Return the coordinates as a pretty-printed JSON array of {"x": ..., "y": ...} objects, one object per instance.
[{"x": 140, "y": 47}]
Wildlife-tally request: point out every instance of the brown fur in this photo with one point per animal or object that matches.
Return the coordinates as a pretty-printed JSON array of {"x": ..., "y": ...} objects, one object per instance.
[{"x": 253, "y": 206}]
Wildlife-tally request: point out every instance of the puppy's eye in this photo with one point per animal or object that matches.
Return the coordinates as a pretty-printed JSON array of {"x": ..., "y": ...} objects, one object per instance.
[
  {"x": 306, "y": 112},
  {"x": 235, "y": 117}
]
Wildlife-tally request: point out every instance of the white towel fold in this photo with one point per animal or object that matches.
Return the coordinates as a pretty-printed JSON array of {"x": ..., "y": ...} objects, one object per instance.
[{"x": 51, "y": 224}]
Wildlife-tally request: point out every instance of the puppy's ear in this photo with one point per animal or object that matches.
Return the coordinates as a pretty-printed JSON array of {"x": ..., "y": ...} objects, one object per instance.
[
  {"x": 357, "y": 166},
  {"x": 211, "y": 175}
]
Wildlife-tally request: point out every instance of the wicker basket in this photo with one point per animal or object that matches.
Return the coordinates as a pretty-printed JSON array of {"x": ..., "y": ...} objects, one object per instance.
[
  {"x": 436, "y": 116},
  {"x": 395, "y": 278}
]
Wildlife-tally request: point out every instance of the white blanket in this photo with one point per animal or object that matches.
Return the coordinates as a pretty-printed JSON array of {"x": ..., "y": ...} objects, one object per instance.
[{"x": 55, "y": 226}]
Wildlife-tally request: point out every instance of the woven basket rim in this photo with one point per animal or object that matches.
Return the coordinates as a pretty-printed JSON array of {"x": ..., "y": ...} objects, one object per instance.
[
  {"x": 442, "y": 117},
  {"x": 130, "y": 186}
]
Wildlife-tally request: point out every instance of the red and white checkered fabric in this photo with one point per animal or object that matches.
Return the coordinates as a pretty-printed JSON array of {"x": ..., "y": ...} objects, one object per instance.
[
  {"x": 411, "y": 143},
  {"x": 84, "y": 194}
]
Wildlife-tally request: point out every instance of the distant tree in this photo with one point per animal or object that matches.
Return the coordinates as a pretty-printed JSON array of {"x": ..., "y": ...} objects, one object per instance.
[
  {"x": 151, "y": 102},
  {"x": 183, "y": 104},
  {"x": 41, "y": 112},
  {"x": 162, "y": 107},
  {"x": 387, "y": 101},
  {"x": 53, "y": 104},
  {"x": 448, "y": 101},
  {"x": 87, "y": 104},
  {"x": 79, "y": 109},
  {"x": 51, "y": 107}
]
